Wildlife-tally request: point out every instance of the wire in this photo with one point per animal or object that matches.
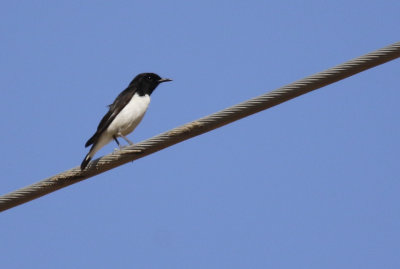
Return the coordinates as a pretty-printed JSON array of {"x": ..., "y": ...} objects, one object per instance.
[{"x": 200, "y": 126}]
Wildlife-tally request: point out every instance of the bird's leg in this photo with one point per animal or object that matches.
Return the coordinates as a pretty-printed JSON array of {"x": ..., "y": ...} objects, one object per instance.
[
  {"x": 116, "y": 140},
  {"x": 126, "y": 139}
]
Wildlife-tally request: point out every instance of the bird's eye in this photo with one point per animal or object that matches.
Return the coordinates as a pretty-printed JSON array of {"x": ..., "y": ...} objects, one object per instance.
[{"x": 149, "y": 78}]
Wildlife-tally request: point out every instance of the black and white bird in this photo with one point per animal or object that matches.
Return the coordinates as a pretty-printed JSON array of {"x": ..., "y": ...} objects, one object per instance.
[{"x": 124, "y": 114}]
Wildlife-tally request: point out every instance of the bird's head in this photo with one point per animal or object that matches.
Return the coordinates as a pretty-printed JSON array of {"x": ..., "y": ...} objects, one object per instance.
[{"x": 147, "y": 82}]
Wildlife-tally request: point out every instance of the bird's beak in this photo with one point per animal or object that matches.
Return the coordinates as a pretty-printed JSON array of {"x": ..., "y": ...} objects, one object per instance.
[{"x": 164, "y": 80}]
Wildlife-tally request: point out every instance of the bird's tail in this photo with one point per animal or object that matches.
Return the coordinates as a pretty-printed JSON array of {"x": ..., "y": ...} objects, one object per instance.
[
  {"x": 97, "y": 145},
  {"x": 86, "y": 161}
]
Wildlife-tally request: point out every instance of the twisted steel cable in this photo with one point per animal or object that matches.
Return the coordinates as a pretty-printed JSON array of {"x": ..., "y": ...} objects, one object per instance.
[{"x": 201, "y": 126}]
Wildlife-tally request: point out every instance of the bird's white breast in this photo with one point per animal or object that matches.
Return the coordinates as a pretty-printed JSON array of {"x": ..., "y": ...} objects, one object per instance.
[{"x": 130, "y": 116}]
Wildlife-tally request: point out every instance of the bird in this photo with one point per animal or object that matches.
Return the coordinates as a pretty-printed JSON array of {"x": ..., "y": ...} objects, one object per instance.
[{"x": 124, "y": 114}]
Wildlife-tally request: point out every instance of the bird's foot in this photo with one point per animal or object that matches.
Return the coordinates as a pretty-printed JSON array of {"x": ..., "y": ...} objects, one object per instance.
[{"x": 126, "y": 146}]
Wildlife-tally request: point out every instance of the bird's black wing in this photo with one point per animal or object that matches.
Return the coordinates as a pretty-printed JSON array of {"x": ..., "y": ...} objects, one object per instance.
[{"x": 120, "y": 102}]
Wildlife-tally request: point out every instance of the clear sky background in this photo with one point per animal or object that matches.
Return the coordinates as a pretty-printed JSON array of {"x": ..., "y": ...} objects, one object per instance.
[{"x": 311, "y": 183}]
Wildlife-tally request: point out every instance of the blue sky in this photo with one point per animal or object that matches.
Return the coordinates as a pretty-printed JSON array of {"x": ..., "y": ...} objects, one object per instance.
[{"x": 311, "y": 183}]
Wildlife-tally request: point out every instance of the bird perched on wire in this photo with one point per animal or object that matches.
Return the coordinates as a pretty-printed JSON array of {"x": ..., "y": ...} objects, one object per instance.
[{"x": 124, "y": 114}]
